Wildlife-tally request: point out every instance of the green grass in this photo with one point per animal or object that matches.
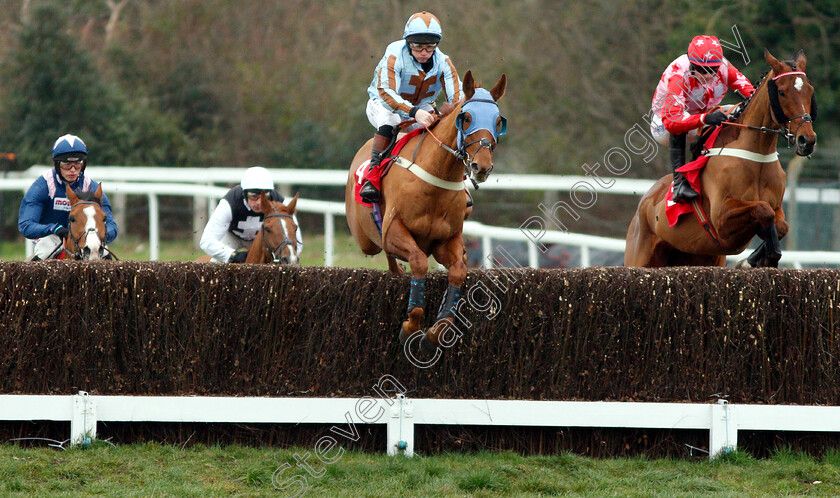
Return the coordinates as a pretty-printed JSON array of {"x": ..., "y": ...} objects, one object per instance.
[
  {"x": 152, "y": 469},
  {"x": 345, "y": 252}
]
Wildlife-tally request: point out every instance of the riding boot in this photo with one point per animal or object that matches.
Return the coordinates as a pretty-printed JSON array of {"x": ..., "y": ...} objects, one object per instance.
[
  {"x": 369, "y": 192},
  {"x": 682, "y": 189}
]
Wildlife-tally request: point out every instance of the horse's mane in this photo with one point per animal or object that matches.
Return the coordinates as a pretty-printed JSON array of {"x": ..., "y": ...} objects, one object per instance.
[
  {"x": 732, "y": 133},
  {"x": 87, "y": 195},
  {"x": 763, "y": 82}
]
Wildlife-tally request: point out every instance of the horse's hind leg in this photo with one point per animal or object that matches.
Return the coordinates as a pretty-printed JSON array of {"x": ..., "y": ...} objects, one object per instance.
[{"x": 640, "y": 249}]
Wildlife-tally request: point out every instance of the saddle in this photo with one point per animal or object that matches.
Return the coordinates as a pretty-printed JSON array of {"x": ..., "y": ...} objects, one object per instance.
[{"x": 376, "y": 176}]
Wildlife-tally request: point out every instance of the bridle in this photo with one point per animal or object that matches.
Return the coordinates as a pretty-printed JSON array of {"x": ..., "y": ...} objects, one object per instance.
[
  {"x": 778, "y": 114},
  {"x": 286, "y": 242},
  {"x": 481, "y": 121},
  {"x": 79, "y": 252}
]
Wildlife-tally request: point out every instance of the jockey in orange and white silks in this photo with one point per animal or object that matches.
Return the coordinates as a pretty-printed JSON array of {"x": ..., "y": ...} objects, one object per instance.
[
  {"x": 692, "y": 85},
  {"x": 407, "y": 80}
]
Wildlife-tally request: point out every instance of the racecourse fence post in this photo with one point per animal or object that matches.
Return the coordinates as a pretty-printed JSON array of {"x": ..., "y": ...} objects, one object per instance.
[
  {"x": 329, "y": 234},
  {"x": 401, "y": 427},
  {"x": 154, "y": 228},
  {"x": 723, "y": 433},
  {"x": 83, "y": 420}
]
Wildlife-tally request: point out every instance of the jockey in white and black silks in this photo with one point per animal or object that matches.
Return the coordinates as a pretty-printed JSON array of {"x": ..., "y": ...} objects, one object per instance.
[
  {"x": 407, "y": 80},
  {"x": 234, "y": 224},
  {"x": 691, "y": 85},
  {"x": 45, "y": 211}
]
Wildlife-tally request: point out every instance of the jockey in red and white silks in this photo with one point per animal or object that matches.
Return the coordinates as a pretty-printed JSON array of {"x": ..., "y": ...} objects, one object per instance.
[
  {"x": 692, "y": 85},
  {"x": 684, "y": 99}
]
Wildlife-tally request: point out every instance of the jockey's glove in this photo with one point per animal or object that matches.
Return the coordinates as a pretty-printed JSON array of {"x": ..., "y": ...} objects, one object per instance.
[
  {"x": 239, "y": 256},
  {"x": 714, "y": 118},
  {"x": 61, "y": 231}
]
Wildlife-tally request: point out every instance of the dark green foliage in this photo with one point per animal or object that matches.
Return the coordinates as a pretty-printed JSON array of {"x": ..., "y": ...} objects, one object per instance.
[{"x": 53, "y": 87}]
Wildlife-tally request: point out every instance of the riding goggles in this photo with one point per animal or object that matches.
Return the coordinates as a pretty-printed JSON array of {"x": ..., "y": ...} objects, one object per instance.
[
  {"x": 707, "y": 70},
  {"x": 424, "y": 47},
  {"x": 68, "y": 165},
  {"x": 253, "y": 195}
]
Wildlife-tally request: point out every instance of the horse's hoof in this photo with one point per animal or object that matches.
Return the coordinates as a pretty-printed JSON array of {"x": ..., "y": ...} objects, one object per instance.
[
  {"x": 743, "y": 264},
  {"x": 404, "y": 336},
  {"x": 426, "y": 345}
]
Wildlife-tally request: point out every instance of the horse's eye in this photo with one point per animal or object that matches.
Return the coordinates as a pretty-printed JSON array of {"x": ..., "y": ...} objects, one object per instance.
[
  {"x": 72, "y": 219},
  {"x": 267, "y": 230},
  {"x": 781, "y": 93},
  {"x": 467, "y": 120}
]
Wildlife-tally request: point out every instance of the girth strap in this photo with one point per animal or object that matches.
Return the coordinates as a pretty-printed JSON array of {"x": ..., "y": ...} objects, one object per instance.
[
  {"x": 427, "y": 177},
  {"x": 743, "y": 154}
]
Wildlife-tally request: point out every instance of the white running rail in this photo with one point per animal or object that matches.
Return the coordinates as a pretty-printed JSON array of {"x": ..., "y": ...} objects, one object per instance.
[{"x": 400, "y": 414}]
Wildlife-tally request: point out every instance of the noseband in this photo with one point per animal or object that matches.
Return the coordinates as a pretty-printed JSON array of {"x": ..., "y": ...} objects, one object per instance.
[{"x": 275, "y": 253}]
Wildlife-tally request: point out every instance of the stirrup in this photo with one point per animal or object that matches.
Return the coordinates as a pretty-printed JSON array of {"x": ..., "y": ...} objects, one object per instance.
[{"x": 369, "y": 193}]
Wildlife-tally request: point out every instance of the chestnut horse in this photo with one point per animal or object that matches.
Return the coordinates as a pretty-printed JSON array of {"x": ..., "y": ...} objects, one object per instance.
[
  {"x": 743, "y": 183},
  {"x": 276, "y": 242},
  {"x": 423, "y": 202},
  {"x": 86, "y": 239}
]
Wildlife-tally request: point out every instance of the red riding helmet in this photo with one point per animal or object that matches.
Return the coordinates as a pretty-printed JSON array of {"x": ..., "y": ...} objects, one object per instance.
[{"x": 706, "y": 51}]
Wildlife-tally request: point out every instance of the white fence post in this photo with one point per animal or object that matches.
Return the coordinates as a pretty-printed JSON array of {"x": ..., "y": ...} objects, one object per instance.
[
  {"x": 487, "y": 252},
  {"x": 723, "y": 434},
  {"x": 82, "y": 420},
  {"x": 401, "y": 427},
  {"x": 329, "y": 234},
  {"x": 154, "y": 228}
]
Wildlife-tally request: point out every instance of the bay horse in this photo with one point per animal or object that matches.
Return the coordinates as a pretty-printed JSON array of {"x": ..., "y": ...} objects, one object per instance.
[
  {"x": 423, "y": 203},
  {"x": 743, "y": 183},
  {"x": 276, "y": 242},
  {"x": 86, "y": 239}
]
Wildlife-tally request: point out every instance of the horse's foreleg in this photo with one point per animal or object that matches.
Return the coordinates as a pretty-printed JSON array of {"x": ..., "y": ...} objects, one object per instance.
[
  {"x": 451, "y": 255},
  {"x": 738, "y": 221},
  {"x": 397, "y": 241}
]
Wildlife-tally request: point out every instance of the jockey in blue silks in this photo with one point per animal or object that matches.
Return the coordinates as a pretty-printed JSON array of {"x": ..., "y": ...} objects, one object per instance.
[{"x": 45, "y": 211}]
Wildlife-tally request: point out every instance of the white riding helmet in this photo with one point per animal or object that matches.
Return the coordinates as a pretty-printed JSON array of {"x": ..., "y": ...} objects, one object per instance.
[{"x": 257, "y": 178}]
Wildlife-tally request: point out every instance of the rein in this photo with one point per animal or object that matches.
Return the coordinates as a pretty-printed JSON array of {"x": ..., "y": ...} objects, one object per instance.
[{"x": 275, "y": 258}]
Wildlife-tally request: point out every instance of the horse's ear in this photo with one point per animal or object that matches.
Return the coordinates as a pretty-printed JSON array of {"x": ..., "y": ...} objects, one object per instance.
[
  {"x": 293, "y": 204},
  {"x": 499, "y": 89},
  {"x": 265, "y": 204},
  {"x": 773, "y": 62},
  {"x": 801, "y": 60},
  {"x": 98, "y": 193},
  {"x": 469, "y": 85},
  {"x": 71, "y": 196}
]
